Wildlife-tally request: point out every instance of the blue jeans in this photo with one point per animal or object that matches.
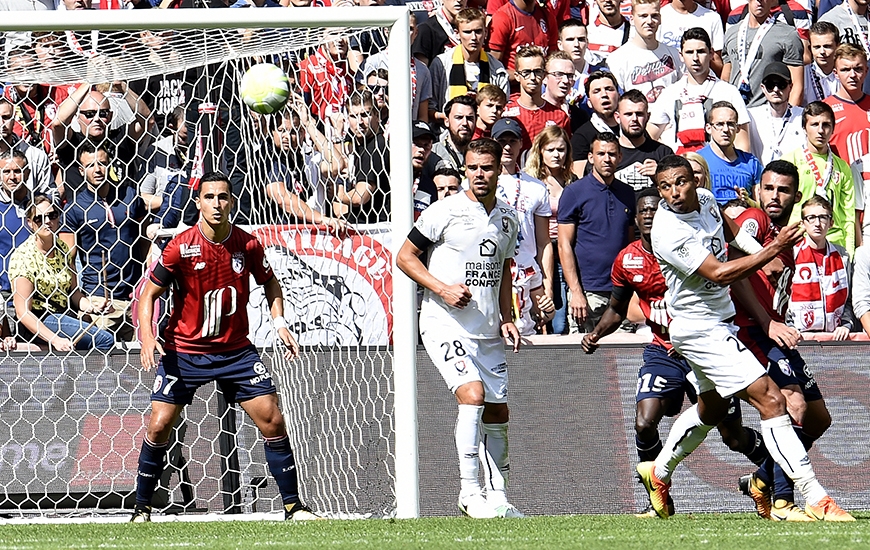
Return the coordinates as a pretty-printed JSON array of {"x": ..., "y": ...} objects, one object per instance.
[
  {"x": 70, "y": 327},
  {"x": 560, "y": 299}
]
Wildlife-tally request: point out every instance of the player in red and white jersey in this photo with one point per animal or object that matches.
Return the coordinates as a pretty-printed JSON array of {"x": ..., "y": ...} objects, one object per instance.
[
  {"x": 209, "y": 267},
  {"x": 761, "y": 308},
  {"x": 664, "y": 379}
]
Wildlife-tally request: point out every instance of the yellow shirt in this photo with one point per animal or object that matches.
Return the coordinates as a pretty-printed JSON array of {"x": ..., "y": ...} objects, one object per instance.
[{"x": 51, "y": 275}]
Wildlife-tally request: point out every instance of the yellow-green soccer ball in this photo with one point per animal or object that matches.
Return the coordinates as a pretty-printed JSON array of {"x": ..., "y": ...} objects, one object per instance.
[{"x": 265, "y": 88}]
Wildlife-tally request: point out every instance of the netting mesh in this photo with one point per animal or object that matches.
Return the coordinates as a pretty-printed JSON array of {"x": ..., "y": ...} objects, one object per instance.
[{"x": 119, "y": 158}]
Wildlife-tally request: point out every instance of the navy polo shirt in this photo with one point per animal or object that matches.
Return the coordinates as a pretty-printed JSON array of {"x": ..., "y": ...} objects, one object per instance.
[
  {"x": 109, "y": 227},
  {"x": 603, "y": 215},
  {"x": 12, "y": 234}
]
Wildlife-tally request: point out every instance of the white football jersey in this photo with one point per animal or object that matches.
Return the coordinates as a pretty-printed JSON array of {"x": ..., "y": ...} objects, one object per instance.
[
  {"x": 470, "y": 247},
  {"x": 529, "y": 197},
  {"x": 681, "y": 243}
]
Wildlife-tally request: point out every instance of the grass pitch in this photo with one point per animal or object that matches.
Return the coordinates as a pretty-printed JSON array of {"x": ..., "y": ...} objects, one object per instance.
[{"x": 707, "y": 531}]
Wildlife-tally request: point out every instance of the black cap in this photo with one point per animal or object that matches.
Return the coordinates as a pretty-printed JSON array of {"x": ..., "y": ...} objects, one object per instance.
[
  {"x": 776, "y": 69},
  {"x": 506, "y": 126},
  {"x": 422, "y": 129}
]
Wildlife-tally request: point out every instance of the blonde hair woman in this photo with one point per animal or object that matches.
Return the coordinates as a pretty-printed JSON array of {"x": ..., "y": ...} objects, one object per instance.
[
  {"x": 700, "y": 169},
  {"x": 549, "y": 160}
]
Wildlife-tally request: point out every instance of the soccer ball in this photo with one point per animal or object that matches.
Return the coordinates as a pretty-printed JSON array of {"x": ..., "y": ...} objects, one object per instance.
[{"x": 265, "y": 88}]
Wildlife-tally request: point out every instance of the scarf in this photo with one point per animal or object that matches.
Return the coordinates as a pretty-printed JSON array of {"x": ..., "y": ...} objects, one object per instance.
[
  {"x": 447, "y": 26},
  {"x": 818, "y": 292},
  {"x": 457, "y": 78},
  {"x": 689, "y": 113}
]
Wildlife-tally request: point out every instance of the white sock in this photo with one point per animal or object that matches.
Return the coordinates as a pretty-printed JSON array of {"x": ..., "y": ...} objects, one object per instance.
[
  {"x": 686, "y": 434},
  {"x": 494, "y": 459},
  {"x": 786, "y": 449},
  {"x": 467, "y": 436}
]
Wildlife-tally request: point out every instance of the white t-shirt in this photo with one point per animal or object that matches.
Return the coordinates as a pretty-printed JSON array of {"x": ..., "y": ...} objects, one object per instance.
[
  {"x": 681, "y": 243},
  {"x": 818, "y": 85},
  {"x": 637, "y": 68},
  {"x": 770, "y": 137},
  {"x": 664, "y": 109},
  {"x": 470, "y": 247},
  {"x": 529, "y": 197},
  {"x": 674, "y": 24},
  {"x": 603, "y": 40}
]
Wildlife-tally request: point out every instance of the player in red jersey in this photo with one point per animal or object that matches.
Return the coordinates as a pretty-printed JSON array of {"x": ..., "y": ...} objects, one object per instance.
[
  {"x": 665, "y": 377},
  {"x": 761, "y": 306},
  {"x": 206, "y": 340}
]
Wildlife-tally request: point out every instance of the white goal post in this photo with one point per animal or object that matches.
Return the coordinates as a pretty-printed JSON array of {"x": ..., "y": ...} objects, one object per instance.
[{"x": 404, "y": 336}]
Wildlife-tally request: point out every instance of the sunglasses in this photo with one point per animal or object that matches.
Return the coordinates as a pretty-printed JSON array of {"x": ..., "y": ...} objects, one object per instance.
[
  {"x": 52, "y": 215},
  {"x": 91, "y": 114},
  {"x": 769, "y": 85},
  {"x": 377, "y": 88}
]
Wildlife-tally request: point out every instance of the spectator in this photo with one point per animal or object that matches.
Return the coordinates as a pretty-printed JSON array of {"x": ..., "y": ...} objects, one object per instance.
[
  {"x": 424, "y": 164},
  {"x": 491, "y": 102},
  {"x": 367, "y": 198},
  {"x": 851, "y": 18},
  {"x": 819, "y": 300},
  {"x": 530, "y": 108},
  {"x": 549, "y": 161},
  {"x": 438, "y": 33},
  {"x": 732, "y": 172},
  {"x": 601, "y": 89},
  {"x": 558, "y": 86},
  {"x": 677, "y": 116},
  {"x": 15, "y": 199},
  {"x": 699, "y": 169},
  {"x": 38, "y": 167},
  {"x": 533, "y": 269},
  {"x": 166, "y": 159},
  {"x": 682, "y": 15},
  {"x": 298, "y": 169},
  {"x": 775, "y": 126},
  {"x": 378, "y": 84},
  {"x": 596, "y": 221},
  {"x": 820, "y": 79},
  {"x": 643, "y": 63},
  {"x": 447, "y": 181},
  {"x": 753, "y": 44},
  {"x": 607, "y": 32},
  {"x": 93, "y": 114},
  {"x": 517, "y": 24},
  {"x": 573, "y": 40},
  {"x": 861, "y": 287},
  {"x": 326, "y": 81},
  {"x": 640, "y": 153},
  {"x": 466, "y": 68},
  {"x": 825, "y": 174},
  {"x": 461, "y": 113},
  {"x": 850, "y": 104},
  {"x": 46, "y": 295},
  {"x": 103, "y": 220}
]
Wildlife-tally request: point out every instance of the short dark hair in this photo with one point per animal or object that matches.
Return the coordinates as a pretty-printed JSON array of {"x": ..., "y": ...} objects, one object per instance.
[
  {"x": 816, "y": 108},
  {"x": 696, "y": 33},
  {"x": 720, "y": 105},
  {"x": 568, "y": 23},
  {"x": 821, "y": 28},
  {"x": 448, "y": 171},
  {"x": 37, "y": 200},
  {"x": 783, "y": 168},
  {"x": 736, "y": 203},
  {"x": 93, "y": 149},
  {"x": 485, "y": 146},
  {"x": 216, "y": 176},
  {"x": 360, "y": 98},
  {"x": 14, "y": 154},
  {"x": 635, "y": 96},
  {"x": 460, "y": 100},
  {"x": 605, "y": 137},
  {"x": 670, "y": 162},
  {"x": 647, "y": 192},
  {"x": 598, "y": 75}
]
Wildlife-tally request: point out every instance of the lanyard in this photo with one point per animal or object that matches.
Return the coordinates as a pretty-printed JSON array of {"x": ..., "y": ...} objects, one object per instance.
[
  {"x": 705, "y": 90},
  {"x": 747, "y": 58},
  {"x": 821, "y": 182},
  {"x": 785, "y": 119},
  {"x": 817, "y": 82},
  {"x": 861, "y": 36}
]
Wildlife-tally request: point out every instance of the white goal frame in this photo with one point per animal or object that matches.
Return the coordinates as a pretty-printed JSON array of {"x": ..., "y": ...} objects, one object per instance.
[{"x": 407, "y": 488}]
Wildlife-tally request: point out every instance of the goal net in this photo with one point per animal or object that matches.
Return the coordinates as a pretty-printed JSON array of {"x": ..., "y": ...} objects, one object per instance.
[{"x": 115, "y": 116}]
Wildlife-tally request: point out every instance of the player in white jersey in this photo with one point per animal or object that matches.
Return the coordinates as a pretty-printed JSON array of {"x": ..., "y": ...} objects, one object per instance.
[
  {"x": 688, "y": 237},
  {"x": 471, "y": 239}
]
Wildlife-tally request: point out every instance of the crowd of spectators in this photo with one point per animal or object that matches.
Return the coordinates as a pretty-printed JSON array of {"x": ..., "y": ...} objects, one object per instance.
[{"x": 585, "y": 97}]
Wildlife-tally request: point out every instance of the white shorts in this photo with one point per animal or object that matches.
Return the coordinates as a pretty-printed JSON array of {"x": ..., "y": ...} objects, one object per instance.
[
  {"x": 525, "y": 281},
  {"x": 461, "y": 360},
  {"x": 718, "y": 358}
]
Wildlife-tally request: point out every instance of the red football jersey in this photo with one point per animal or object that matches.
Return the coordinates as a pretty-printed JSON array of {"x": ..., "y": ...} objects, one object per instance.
[
  {"x": 511, "y": 28},
  {"x": 534, "y": 121},
  {"x": 851, "y": 127},
  {"x": 638, "y": 270},
  {"x": 773, "y": 298},
  {"x": 213, "y": 283}
]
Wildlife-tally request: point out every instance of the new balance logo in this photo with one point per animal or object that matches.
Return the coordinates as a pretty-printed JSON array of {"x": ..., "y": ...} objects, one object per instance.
[
  {"x": 198, "y": 266},
  {"x": 288, "y": 469}
]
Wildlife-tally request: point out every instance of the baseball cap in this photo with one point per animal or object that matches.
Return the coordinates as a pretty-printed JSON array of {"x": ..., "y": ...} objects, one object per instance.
[
  {"x": 504, "y": 126},
  {"x": 422, "y": 129},
  {"x": 776, "y": 69}
]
